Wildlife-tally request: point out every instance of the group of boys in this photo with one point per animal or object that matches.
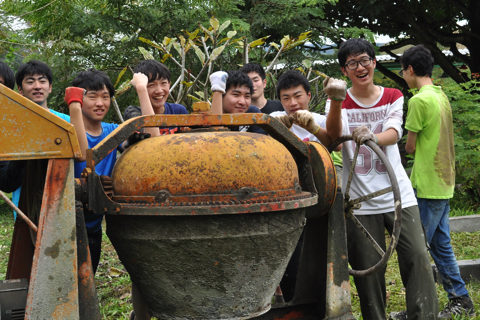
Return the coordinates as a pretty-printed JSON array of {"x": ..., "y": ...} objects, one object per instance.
[{"x": 366, "y": 111}]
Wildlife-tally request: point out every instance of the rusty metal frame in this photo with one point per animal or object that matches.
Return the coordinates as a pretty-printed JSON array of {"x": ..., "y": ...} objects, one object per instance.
[
  {"x": 53, "y": 290},
  {"x": 351, "y": 205},
  {"x": 100, "y": 203},
  {"x": 21, "y": 140},
  {"x": 322, "y": 290}
]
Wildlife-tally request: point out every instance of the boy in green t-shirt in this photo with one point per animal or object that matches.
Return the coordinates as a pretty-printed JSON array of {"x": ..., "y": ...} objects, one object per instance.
[{"x": 430, "y": 139}]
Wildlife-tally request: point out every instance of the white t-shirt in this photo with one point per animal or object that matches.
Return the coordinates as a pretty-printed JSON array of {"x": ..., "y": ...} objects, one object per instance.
[
  {"x": 302, "y": 133},
  {"x": 370, "y": 172}
]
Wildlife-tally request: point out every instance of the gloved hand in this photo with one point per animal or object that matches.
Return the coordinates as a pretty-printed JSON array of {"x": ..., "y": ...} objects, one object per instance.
[
  {"x": 74, "y": 94},
  {"x": 139, "y": 80},
  {"x": 134, "y": 138},
  {"x": 362, "y": 134},
  {"x": 219, "y": 81},
  {"x": 335, "y": 89},
  {"x": 305, "y": 119},
  {"x": 286, "y": 120}
]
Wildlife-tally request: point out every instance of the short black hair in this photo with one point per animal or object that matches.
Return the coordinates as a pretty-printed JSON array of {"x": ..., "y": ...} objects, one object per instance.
[
  {"x": 238, "y": 79},
  {"x": 153, "y": 69},
  {"x": 31, "y": 68},
  {"x": 253, "y": 67},
  {"x": 290, "y": 79},
  {"x": 7, "y": 74},
  {"x": 421, "y": 60},
  {"x": 354, "y": 47},
  {"x": 93, "y": 80}
]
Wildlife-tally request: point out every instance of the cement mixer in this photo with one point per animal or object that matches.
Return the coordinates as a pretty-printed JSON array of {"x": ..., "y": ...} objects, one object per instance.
[{"x": 205, "y": 221}]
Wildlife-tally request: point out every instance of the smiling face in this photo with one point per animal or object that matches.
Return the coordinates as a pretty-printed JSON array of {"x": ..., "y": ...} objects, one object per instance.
[
  {"x": 96, "y": 104},
  {"x": 236, "y": 100},
  {"x": 258, "y": 85},
  {"x": 361, "y": 76},
  {"x": 294, "y": 99},
  {"x": 36, "y": 88},
  {"x": 158, "y": 91}
]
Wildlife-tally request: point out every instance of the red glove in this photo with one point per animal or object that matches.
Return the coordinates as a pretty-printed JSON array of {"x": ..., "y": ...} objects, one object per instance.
[{"x": 74, "y": 94}]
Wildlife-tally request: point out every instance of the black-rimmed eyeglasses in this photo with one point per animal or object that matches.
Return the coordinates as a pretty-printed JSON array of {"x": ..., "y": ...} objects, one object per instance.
[{"x": 353, "y": 65}]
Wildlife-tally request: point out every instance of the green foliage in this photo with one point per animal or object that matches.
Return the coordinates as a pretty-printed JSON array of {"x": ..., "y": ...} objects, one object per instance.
[
  {"x": 439, "y": 25},
  {"x": 466, "y": 121},
  {"x": 75, "y": 35},
  {"x": 4, "y": 207}
]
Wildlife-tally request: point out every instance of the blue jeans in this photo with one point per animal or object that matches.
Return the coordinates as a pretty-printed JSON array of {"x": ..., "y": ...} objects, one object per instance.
[{"x": 435, "y": 219}]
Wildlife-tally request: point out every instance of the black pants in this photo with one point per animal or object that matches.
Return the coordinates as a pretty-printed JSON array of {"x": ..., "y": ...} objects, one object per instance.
[
  {"x": 413, "y": 261},
  {"x": 95, "y": 246}
]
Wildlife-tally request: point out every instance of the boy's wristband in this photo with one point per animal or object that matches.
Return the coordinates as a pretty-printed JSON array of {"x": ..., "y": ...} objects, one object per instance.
[
  {"x": 376, "y": 139},
  {"x": 74, "y": 94},
  {"x": 316, "y": 131},
  {"x": 332, "y": 98}
]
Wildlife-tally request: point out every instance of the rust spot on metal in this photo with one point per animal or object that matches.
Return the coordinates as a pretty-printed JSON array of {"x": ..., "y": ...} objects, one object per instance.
[
  {"x": 73, "y": 235},
  {"x": 54, "y": 250}
]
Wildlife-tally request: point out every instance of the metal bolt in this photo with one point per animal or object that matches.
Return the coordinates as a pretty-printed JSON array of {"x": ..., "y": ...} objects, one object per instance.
[
  {"x": 58, "y": 141},
  {"x": 117, "y": 209},
  {"x": 105, "y": 209}
]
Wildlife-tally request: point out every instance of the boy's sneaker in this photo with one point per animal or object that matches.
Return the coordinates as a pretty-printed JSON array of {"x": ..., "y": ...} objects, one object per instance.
[
  {"x": 402, "y": 315},
  {"x": 458, "y": 306}
]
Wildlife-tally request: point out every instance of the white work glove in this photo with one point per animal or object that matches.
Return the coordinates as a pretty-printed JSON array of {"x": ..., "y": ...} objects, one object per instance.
[
  {"x": 305, "y": 119},
  {"x": 335, "y": 89},
  {"x": 285, "y": 119},
  {"x": 219, "y": 81},
  {"x": 139, "y": 80},
  {"x": 362, "y": 134}
]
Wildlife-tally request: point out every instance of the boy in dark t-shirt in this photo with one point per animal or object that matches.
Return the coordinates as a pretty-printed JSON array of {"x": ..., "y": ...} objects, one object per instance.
[
  {"x": 231, "y": 93},
  {"x": 259, "y": 79},
  {"x": 152, "y": 83}
]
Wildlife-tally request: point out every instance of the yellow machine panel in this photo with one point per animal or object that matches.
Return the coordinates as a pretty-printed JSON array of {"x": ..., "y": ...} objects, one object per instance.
[{"x": 29, "y": 131}]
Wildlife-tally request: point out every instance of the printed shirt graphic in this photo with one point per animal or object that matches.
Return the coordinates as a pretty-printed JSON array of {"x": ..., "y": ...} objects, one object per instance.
[
  {"x": 370, "y": 172},
  {"x": 430, "y": 115}
]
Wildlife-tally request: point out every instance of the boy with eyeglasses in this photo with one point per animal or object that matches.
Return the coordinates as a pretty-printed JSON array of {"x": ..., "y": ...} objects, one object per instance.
[
  {"x": 430, "y": 139},
  {"x": 371, "y": 112}
]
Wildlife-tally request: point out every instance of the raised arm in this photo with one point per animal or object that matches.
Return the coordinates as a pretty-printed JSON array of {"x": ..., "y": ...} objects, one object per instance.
[
  {"x": 336, "y": 91},
  {"x": 140, "y": 82},
  {"x": 218, "y": 80},
  {"x": 74, "y": 99}
]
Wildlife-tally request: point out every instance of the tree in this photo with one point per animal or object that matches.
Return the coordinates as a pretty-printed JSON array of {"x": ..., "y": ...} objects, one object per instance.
[
  {"x": 80, "y": 34},
  {"x": 437, "y": 24}
]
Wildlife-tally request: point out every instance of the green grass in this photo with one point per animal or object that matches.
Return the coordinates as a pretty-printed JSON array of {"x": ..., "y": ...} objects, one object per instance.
[
  {"x": 113, "y": 282},
  {"x": 463, "y": 212},
  {"x": 465, "y": 247}
]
